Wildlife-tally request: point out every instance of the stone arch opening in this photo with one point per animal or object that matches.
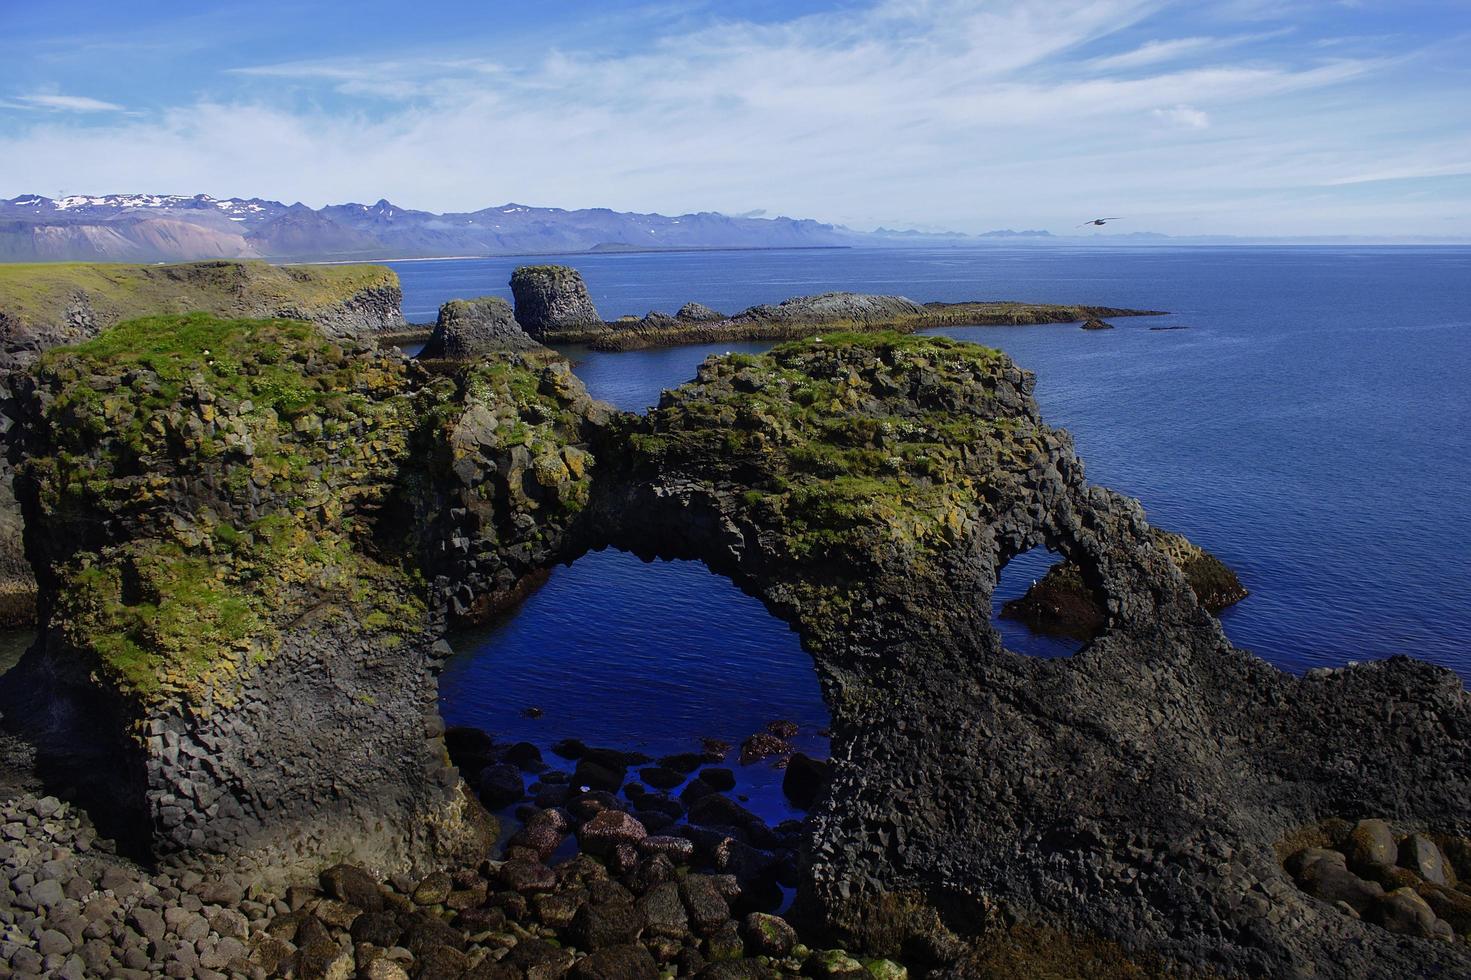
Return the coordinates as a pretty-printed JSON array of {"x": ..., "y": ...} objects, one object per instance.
[
  {"x": 656, "y": 681},
  {"x": 1044, "y": 605}
]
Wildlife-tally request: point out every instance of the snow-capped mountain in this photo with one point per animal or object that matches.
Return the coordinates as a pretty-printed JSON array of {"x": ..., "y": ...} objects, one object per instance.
[{"x": 153, "y": 227}]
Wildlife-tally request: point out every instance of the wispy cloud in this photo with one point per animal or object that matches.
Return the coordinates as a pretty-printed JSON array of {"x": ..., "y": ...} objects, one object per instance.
[
  {"x": 939, "y": 112},
  {"x": 66, "y": 103}
]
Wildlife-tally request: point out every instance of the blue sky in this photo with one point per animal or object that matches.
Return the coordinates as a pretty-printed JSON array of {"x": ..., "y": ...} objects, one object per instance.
[{"x": 1233, "y": 117}]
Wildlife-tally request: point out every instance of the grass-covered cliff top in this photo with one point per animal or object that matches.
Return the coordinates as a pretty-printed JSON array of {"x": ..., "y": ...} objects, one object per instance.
[
  {"x": 204, "y": 481},
  {"x": 851, "y": 441},
  {"x": 37, "y": 293}
]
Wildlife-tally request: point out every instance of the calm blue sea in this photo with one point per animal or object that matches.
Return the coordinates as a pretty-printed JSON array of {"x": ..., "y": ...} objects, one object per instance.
[{"x": 1312, "y": 427}]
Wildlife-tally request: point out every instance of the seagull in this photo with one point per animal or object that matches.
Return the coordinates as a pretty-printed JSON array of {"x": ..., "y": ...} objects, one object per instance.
[{"x": 1097, "y": 221}]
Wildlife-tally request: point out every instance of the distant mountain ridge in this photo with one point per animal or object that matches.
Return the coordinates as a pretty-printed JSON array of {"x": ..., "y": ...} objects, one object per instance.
[{"x": 160, "y": 227}]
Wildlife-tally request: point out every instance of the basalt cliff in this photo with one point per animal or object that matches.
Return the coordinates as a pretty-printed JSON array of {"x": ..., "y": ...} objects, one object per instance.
[
  {"x": 249, "y": 538},
  {"x": 42, "y": 306}
]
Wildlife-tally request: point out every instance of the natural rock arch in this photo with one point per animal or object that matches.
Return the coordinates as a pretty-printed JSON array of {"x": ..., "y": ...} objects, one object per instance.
[{"x": 864, "y": 487}]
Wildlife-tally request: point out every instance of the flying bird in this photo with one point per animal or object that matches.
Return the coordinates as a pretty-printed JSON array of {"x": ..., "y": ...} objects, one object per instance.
[{"x": 1097, "y": 221}]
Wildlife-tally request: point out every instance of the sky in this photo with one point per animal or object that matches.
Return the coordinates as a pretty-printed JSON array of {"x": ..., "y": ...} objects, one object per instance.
[{"x": 1242, "y": 117}]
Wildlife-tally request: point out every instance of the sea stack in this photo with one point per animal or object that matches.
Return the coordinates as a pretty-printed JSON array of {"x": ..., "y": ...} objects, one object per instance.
[
  {"x": 468, "y": 328},
  {"x": 551, "y": 298}
]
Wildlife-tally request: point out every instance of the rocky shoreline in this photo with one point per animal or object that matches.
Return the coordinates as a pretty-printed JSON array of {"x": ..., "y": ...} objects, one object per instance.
[
  {"x": 251, "y": 537},
  {"x": 612, "y": 881}
]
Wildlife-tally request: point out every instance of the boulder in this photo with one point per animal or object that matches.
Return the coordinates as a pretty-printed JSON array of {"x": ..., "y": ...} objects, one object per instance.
[
  {"x": 469, "y": 328},
  {"x": 804, "y": 780},
  {"x": 1420, "y": 854},
  {"x": 769, "y": 935},
  {"x": 1403, "y": 911},
  {"x": 608, "y": 829},
  {"x": 1371, "y": 842},
  {"x": 1324, "y": 874},
  {"x": 698, "y": 313}
]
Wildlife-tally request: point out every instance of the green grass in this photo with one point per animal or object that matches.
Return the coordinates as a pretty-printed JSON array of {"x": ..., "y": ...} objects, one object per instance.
[{"x": 40, "y": 293}]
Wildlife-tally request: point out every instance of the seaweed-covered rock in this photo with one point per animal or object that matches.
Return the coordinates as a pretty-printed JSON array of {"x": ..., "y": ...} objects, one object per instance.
[
  {"x": 551, "y": 298},
  {"x": 468, "y": 328}
]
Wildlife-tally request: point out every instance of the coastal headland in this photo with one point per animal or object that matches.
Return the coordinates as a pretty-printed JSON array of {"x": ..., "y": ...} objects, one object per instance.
[{"x": 250, "y": 536}]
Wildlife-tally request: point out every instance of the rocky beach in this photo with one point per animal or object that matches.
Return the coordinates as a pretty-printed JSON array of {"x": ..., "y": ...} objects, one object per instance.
[{"x": 251, "y": 527}]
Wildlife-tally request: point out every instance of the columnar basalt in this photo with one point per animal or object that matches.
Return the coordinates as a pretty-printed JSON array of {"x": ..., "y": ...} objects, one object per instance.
[
  {"x": 552, "y": 299},
  {"x": 206, "y": 508},
  {"x": 868, "y": 487}
]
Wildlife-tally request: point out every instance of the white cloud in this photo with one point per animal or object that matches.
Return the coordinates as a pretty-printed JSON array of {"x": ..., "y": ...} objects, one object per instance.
[
  {"x": 936, "y": 112},
  {"x": 1183, "y": 117},
  {"x": 68, "y": 103}
]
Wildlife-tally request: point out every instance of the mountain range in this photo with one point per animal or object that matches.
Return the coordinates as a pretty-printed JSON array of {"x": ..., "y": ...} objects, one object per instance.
[
  {"x": 152, "y": 227},
  {"x": 176, "y": 228}
]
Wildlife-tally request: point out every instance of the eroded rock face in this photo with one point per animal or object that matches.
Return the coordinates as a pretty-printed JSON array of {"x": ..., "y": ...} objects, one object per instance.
[
  {"x": 868, "y": 492},
  {"x": 468, "y": 328},
  {"x": 867, "y": 489},
  {"x": 1063, "y": 603},
  {"x": 551, "y": 298}
]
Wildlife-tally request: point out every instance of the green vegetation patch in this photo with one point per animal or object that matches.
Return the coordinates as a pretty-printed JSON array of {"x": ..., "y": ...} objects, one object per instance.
[
  {"x": 232, "y": 462},
  {"x": 848, "y": 441},
  {"x": 41, "y": 293}
]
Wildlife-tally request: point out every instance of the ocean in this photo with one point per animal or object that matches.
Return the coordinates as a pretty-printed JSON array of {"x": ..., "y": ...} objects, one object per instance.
[{"x": 1310, "y": 425}]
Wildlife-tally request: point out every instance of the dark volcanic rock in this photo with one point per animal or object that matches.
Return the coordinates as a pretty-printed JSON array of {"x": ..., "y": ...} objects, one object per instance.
[
  {"x": 468, "y": 328},
  {"x": 868, "y": 488},
  {"x": 1093, "y": 323},
  {"x": 1062, "y": 603},
  {"x": 698, "y": 313},
  {"x": 551, "y": 298},
  {"x": 804, "y": 780}
]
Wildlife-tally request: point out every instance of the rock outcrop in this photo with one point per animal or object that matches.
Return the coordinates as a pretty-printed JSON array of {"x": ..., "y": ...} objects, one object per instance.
[
  {"x": 699, "y": 313},
  {"x": 867, "y": 487},
  {"x": 552, "y": 298},
  {"x": 1062, "y": 603},
  {"x": 214, "y": 513},
  {"x": 468, "y": 328},
  {"x": 42, "y": 306}
]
